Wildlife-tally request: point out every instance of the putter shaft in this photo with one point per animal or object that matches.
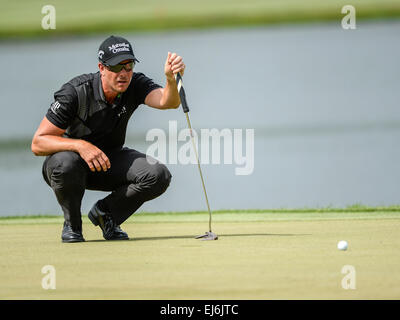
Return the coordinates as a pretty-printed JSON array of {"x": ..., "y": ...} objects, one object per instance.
[
  {"x": 209, "y": 235},
  {"x": 198, "y": 165}
]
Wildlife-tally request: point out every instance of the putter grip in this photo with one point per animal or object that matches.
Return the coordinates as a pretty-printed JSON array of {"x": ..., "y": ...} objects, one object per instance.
[{"x": 182, "y": 94}]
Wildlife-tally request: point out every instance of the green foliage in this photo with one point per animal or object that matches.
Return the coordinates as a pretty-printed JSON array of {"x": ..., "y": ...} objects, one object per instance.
[{"x": 23, "y": 18}]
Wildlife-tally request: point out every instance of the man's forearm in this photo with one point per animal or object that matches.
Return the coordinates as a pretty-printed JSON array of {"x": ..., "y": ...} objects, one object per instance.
[
  {"x": 170, "y": 98},
  {"x": 47, "y": 144}
]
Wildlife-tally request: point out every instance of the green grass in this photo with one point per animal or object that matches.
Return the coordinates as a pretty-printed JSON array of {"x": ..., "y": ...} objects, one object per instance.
[
  {"x": 352, "y": 212},
  {"x": 23, "y": 18},
  {"x": 356, "y": 211},
  {"x": 259, "y": 255}
]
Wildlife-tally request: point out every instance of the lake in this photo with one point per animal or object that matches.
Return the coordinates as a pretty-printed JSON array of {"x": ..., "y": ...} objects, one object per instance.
[{"x": 323, "y": 103}]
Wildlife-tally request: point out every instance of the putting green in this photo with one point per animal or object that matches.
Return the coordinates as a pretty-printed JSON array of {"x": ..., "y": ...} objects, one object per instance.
[{"x": 260, "y": 255}]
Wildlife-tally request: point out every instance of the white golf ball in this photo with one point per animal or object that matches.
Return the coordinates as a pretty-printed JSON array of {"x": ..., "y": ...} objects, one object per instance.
[{"x": 342, "y": 245}]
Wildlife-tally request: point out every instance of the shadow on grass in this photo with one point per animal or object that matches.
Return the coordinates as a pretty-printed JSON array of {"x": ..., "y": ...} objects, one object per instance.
[{"x": 220, "y": 236}]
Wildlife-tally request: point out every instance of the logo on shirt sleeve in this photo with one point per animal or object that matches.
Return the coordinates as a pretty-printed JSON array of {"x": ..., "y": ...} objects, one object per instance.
[{"x": 55, "y": 106}]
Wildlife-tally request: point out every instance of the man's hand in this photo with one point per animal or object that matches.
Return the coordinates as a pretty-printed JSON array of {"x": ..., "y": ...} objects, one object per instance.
[
  {"x": 167, "y": 97},
  {"x": 173, "y": 65},
  {"x": 94, "y": 157}
]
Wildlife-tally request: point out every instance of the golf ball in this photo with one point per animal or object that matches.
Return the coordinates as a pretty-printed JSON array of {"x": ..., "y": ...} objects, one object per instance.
[{"x": 342, "y": 245}]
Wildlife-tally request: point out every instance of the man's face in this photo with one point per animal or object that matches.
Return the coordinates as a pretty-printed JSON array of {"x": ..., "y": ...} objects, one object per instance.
[{"x": 116, "y": 81}]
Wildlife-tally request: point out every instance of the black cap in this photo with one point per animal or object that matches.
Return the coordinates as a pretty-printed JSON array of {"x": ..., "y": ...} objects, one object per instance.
[{"x": 113, "y": 50}]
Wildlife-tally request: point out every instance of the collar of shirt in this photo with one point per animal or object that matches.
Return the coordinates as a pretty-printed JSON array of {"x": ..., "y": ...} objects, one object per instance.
[{"x": 99, "y": 93}]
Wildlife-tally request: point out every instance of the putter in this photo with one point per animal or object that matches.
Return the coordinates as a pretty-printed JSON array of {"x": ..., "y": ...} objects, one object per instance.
[{"x": 209, "y": 235}]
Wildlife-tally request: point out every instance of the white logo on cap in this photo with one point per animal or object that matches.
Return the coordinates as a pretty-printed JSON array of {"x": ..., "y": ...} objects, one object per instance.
[
  {"x": 119, "y": 47},
  {"x": 101, "y": 52}
]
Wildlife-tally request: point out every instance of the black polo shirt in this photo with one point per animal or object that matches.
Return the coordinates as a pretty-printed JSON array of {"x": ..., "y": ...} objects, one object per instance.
[{"x": 81, "y": 108}]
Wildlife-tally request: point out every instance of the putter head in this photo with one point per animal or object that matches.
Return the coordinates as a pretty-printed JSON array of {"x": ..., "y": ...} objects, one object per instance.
[{"x": 208, "y": 236}]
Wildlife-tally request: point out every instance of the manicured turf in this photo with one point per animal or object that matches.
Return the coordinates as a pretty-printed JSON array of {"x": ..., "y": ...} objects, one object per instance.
[
  {"x": 260, "y": 255},
  {"x": 23, "y": 18}
]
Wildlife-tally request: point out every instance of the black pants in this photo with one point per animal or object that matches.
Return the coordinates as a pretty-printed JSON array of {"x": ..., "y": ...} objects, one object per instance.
[{"x": 132, "y": 180}]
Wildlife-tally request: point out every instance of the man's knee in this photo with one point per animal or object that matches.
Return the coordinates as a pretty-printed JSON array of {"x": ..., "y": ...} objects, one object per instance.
[
  {"x": 163, "y": 177},
  {"x": 65, "y": 169},
  {"x": 157, "y": 178}
]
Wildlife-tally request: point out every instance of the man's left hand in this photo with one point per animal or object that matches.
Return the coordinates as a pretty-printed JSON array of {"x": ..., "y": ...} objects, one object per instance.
[{"x": 173, "y": 65}]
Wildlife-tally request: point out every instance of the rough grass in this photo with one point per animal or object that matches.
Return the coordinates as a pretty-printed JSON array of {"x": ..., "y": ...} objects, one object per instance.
[{"x": 23, "y": 18}]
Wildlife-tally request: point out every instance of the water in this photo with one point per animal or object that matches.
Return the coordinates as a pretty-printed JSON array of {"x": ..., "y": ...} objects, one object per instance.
[{"x": 324, "y": 103}]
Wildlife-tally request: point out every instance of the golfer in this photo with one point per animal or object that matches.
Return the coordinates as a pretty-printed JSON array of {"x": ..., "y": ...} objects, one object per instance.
[{"x": 83, "y": 133}]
